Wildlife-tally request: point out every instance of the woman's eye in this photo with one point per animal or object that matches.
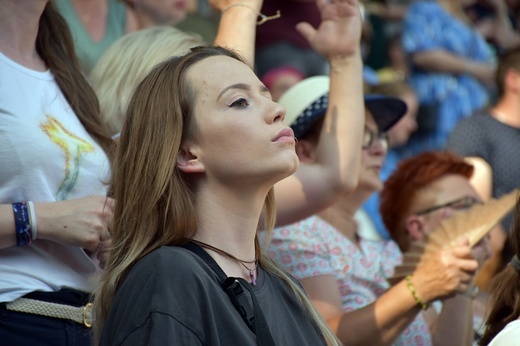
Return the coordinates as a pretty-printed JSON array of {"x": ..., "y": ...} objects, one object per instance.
[{"x": 240, "y": 103}]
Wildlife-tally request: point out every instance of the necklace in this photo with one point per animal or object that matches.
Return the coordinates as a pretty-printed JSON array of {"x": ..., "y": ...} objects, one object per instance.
[{"x": 227, "y": 254}]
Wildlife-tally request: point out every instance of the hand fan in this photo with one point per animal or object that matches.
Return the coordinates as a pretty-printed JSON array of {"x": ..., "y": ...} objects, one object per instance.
[{"x": 473, "y": 223}]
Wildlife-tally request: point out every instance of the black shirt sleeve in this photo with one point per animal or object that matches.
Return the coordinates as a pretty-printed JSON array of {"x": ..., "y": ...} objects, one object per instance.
[{"x": 157, "y": 329}]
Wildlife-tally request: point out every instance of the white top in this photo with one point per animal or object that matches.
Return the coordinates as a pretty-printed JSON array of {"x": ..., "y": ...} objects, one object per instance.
[
  {"x": 46, "y": 155},
  {"x": 509, "y": 336}
]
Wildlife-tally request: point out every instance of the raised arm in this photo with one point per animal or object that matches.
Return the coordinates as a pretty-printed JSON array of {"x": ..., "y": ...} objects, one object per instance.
[
  {"x": 314, "y": 187},
  {"x": 237, "y": 27}
]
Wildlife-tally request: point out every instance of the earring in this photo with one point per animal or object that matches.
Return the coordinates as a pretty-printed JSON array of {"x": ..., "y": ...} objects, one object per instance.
[{"x": 296, "y": 140}]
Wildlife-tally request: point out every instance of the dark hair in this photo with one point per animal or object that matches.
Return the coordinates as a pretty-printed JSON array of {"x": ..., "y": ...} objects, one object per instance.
[
  {"x": 505, "y": 289},
  {"x": 510, "y": 59},
  {"x": 55, "y": 47}
]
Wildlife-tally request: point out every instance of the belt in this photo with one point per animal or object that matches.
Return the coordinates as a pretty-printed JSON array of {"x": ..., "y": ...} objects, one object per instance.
[{"x": 81, "y": 315}]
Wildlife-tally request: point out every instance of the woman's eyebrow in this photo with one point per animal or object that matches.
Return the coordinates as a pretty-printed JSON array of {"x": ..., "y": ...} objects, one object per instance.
[{"x": 240, "y": 86}]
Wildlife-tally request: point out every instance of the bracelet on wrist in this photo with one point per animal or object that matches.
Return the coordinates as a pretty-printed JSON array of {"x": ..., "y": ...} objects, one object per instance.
[
  {"x": 415, "y": 296},
  {"x": 22, "y": 224},
  {"x": 32, "y": 219},
  {"x": 263, "y": 17}
]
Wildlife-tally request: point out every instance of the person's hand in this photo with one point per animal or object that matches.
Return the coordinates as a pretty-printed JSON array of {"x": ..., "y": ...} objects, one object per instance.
[
  {"x": 82, "y": 222},
  {"x": 220, "y": 5},
  {"x": 484, "y": 72},
  {"x": 339, "y": 33},
  {"x": 445, "y": 273}
]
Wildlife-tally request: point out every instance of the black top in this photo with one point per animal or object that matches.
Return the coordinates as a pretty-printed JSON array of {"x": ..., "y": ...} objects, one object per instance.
[
  {"x": 481, "y": 135},
  {"x": 173, "y": 297}
]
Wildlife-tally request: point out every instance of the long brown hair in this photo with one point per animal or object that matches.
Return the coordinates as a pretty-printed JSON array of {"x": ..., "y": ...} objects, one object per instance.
[
  {"x": 505, "y": 290},
  {"x": 155, "y": 203},
  {"x": 55, "y": 47}
]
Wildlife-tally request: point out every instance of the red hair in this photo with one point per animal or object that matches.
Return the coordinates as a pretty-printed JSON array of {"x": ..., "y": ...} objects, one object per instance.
[{"x": 409, "y": 178}]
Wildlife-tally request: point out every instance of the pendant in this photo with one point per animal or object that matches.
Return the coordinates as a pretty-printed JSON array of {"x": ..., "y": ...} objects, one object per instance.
[{"x": 252, "y": 276}]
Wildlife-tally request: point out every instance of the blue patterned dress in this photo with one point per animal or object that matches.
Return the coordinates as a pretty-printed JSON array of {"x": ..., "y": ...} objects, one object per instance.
[{"x": 429, "y": 27}]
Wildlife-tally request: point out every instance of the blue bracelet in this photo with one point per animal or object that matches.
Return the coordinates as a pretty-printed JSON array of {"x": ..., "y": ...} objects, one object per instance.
[{"x": 22, "y": 224}]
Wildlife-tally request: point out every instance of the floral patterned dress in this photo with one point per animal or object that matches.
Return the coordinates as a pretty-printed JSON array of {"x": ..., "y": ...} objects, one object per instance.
[{"x": 313, "y": 247}]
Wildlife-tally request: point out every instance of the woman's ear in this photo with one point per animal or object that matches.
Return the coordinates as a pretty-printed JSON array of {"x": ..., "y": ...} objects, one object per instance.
[
  {"x": 415, "y": 227},
  {"x": 187, "y": 162},
  {"x": 306, "y": 151}
]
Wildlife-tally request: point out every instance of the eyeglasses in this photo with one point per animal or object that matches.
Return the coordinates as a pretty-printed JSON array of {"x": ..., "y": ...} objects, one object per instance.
[
  {"x": 370, "y": 137},
  {"x": 458, "y": 204}
]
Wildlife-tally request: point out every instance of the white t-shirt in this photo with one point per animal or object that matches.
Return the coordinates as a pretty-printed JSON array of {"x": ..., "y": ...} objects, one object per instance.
[
  {"x": 46, "y": 155},
  {"x": 509, "y": 336}
]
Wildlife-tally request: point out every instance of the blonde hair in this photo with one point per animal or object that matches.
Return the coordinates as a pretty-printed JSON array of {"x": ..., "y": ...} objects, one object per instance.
[
  {"x": 128, "y": 61},
  {"x": 155, "y": 205}
]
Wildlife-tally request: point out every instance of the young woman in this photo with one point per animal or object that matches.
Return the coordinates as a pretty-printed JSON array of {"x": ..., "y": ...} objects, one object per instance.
[
  {"x": 208, "y": 183},
  {"x": 198, "y": 156}
]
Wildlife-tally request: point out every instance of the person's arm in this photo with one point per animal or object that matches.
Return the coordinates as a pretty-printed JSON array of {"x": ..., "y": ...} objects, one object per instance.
[
  {"x": 237, "y": 27},
  {"x": 455, "y": 322},
  {"x": 503, "y": 34},
  {"x": 482, "y": 178},
  {"x": 79, "y": 222},
  {"x": 314, "y": 187},
  {"x": 381, "y": 322},
  {"x": 442, "y": 61}
]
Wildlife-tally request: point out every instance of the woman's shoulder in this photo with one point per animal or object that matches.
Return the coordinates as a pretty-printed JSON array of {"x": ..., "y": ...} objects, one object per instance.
[
  {"x": 508, "y": 336},
  {"x": 169, "y": 268}
]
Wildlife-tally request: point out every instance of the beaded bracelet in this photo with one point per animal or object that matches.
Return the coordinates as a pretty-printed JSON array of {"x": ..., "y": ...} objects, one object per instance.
[
  {"x": 22, "y": 224},
  {"x": 412, "y": 290}
]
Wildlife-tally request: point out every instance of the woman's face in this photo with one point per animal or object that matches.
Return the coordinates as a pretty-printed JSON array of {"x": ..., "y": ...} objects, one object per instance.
[
  {"x": 372, "y": 158},
  {"x": 241, "y": 134}
]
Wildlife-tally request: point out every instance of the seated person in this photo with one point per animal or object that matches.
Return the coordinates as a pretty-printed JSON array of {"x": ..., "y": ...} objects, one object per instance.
[{"x": 345, "y": 274}]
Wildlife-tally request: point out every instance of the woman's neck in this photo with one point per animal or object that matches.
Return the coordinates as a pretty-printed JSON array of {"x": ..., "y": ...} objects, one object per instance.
[
  {"x": 228, "y": 219},
  {"x": 19, "y": 23}
]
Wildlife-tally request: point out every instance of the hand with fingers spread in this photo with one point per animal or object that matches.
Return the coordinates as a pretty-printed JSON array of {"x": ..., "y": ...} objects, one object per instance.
[
  {"x": 82, "y": 222},
  {"x": 340, "y": 30},
  {"x": 445, "y": 273}
]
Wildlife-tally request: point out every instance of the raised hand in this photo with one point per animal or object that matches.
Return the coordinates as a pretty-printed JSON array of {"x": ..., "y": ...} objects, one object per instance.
[
  {"x": 82, "y": 222},
  {"x": 339, "y": 33}
]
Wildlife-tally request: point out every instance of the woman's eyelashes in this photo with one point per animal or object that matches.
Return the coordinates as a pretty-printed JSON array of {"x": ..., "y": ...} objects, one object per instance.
[{"x": 241, "y": 103}]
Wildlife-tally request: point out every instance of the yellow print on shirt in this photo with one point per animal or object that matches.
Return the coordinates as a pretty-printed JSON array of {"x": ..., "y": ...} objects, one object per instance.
[{"x": 73, "y": 147}]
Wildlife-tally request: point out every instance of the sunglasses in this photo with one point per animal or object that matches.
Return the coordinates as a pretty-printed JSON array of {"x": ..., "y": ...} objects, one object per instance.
[
  {"x": 370, "y": 137},
  {"x": 458, "y": 204}
]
